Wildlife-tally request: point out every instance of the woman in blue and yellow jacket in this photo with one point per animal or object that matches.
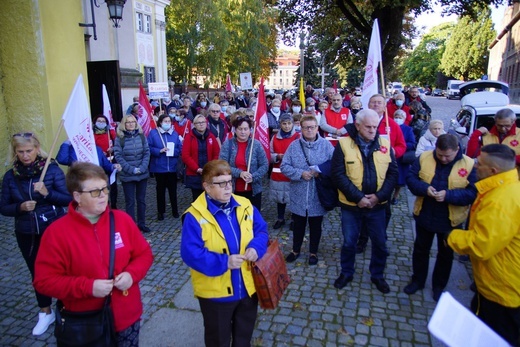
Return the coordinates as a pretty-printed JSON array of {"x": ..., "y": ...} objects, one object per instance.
[{"x": 221, "y": 234}]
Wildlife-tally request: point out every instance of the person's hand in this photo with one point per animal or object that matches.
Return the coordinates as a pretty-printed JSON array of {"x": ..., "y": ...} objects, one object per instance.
[
  {"x": 40, "y": 188},
  {"x": 102, "y": 288},
  {"x": 181, "y": 138},
  {"x": 235, "y": 261},
  {"x": 440, "y": 196},
  {"x": 483, "y": 130},
  {"x": 307, "y": 175},
  {"x": 251, "y": 254},
  {"x": 374, "y": 200},
  {"x": 118, "y": 167},
  {"x": 137, "y": 171},
  {"x": 123, "y": 281},
  {"x": 199, "y": 171},
  {"x": 110, "y": 150},
  {"x": 246, "y": 176},
  {"x": 431, "y": 192},
  {"x": 364, "y": 203},
  {"x": 164, "y": 150},
  {"x": 28, "y": 205}
]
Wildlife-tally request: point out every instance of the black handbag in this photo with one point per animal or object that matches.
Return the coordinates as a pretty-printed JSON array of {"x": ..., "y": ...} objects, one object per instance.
[{"x": 90, "y": 328}]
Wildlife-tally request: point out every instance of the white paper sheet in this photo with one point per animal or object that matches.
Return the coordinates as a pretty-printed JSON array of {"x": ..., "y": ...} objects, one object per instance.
[
  {"x": 456, "y": 326},
  {"x": 113, "y": 177},
  {"x": 171, "y": 149}
]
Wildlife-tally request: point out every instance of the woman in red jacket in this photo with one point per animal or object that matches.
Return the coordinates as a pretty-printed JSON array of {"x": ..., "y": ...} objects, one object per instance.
[
  {"x": 200, "y": 146},
  {"x": 105, "y": 136},
  {"x": 72, "y": 264}
]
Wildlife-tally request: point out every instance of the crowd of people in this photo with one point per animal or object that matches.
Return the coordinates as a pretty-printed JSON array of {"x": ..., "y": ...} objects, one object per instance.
[{"x": 369, "y": 152}]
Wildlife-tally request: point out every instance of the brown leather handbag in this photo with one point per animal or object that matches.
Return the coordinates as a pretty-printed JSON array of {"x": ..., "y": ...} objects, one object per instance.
[{"x": 270, "y": 276}]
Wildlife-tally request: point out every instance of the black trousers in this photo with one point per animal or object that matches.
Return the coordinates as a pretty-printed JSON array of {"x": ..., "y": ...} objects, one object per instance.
[
  {"x": 256, "y": 200},
  {"x": 421, "y": 258},
  {"x": 228, "y": 323},
  {"x": 166, "y": 180},
  {"x": 505, "y": 321},
  {"x": 29, "y": 245},
  {"x": 300, "y": 224},
  {"x": 195, "y": 193}
]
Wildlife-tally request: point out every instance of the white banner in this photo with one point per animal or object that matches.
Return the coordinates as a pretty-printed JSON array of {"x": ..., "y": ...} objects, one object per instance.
[
  {"x": 78, "y": 124},
  {"x": 374, "y": 57},
  {"x": 107, "y": 110},
  {"x": 246, "y": 82}
]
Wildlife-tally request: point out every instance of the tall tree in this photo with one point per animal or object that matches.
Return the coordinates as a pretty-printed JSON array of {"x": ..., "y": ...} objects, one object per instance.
[
  {"x": 466, "y": 55},
  {"x": 352, "y": 21},
  {"x": 214, "y": 37},
  {"x": 422, "y": 65}
]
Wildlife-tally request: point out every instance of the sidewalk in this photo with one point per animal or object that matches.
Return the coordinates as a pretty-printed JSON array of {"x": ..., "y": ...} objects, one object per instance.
[{"x": 312, "y": 312}]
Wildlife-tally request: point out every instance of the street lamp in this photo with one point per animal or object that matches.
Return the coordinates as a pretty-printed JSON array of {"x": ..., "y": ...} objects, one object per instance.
[{"x": 115, "y": 11}]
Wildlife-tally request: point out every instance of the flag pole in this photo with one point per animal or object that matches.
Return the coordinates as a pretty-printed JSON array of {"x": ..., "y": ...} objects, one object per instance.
[
  {"x": 383, "y": 89},
  {"x": 48, "y": 161},
  {"x": 252, "y": 143}
]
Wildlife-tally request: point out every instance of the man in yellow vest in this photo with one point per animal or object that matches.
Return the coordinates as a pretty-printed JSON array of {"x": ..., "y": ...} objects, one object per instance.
[
  {"x": 493, "y": 242},
  {"x": 504, "y": 131},
  {"x": 365, "y": 172},
  {"x": 444, "y": 182}
]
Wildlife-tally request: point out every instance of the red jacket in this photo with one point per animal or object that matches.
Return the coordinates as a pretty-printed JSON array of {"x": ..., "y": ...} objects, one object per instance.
[
  {"x": 190, "y": 151},
  {"x": 103, "y": 142},
  {"x": 73, "y": 253},
  {"x": 396, "y": 136},
  {"x": 392, "y": 107}
]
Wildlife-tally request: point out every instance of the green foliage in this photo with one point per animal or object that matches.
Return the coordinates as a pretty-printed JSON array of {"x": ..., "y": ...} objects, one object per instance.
[
  {"x": 466, "y": 55},
  {"x": 216, "y": 37},
  {"x": 421, "y": 66},
  {"x": 312, "y": 67}
]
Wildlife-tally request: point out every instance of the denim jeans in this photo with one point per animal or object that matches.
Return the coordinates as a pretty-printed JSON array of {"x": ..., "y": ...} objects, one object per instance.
[
  {"x": 132, "y": 191},
  {"x": 351, "y": 224}
]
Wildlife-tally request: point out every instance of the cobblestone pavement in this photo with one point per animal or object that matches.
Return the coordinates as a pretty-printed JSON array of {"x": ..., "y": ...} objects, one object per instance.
[{"x": 312, "y": 313}]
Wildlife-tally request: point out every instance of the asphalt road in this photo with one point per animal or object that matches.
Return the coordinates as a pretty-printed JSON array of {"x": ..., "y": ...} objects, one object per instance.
[{"x": 443, "y": 109}]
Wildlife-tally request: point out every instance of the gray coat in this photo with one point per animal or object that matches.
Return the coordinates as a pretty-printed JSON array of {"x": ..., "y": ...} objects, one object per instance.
[
  {"x": 304, "y": 197},
  {"x": 259, "y": 164},
  {"x": 134, "y": 154}
]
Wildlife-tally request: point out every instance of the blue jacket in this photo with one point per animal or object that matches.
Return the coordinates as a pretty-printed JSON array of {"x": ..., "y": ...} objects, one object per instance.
[
  {"x": 259, "y": 164},
  {"x": 12, "y": 198},
  {"x": 134, "y": 154},
  {"x": 215, "y": 264},
  {"x": 66, "y": 156},
  {"x": 160, "y": 162},
  {"x": 434, "y": 216},
  {"x": 409, "y": 137}
]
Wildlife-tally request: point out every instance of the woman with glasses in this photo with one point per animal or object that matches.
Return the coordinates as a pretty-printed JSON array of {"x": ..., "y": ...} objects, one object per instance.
[
  {"x": 72, "y": 265},
  {"x": 200, "y": 146},
  {"x": 248, "y": 166},
  {"x": 165, "y": 150},
  {"x": 24, "y": 198},
  {"x": 133, "y": 154},
  {"x": 301, "y": 165},
  {"x": 221, "y": 234}
]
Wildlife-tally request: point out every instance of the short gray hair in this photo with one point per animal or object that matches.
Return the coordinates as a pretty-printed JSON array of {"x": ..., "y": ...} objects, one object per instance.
[
  {"x": 506, "y": 113},
  {"x": 365, "y": 113}
]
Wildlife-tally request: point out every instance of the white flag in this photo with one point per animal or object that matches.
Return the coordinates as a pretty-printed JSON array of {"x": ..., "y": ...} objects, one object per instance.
[
  {"x": 78, "y": 124},
  {"x": 374, "y": 57},
  {"x": 107, "y": 110}
]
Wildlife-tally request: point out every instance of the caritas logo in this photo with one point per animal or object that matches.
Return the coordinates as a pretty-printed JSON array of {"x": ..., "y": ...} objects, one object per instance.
[
  {"x": 514, "y": 143},
  {"x": 463, "y": 172},
  {"x": 383, "y": 149}
]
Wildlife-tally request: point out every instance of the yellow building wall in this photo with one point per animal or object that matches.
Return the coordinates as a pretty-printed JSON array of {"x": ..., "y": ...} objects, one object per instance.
[{"x": 42, "y": 53}]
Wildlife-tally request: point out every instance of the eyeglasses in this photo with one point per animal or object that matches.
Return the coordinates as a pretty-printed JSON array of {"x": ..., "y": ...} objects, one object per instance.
[
  {"x": 223, "y": 184},
  {"x": 130, "y": 122},
  {"x": 310, "y": 127},
  {"x": 215, "y": 111},
  {"x": 199, "y": 123},
  {"x": 95, "y": 193},
  {"x": 27, "y": 135}
]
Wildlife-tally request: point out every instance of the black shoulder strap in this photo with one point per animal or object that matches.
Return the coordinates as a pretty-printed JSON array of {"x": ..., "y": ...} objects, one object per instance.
[
  {"x": 112, "y": 246},
  {"x": 304, "y": 154}
]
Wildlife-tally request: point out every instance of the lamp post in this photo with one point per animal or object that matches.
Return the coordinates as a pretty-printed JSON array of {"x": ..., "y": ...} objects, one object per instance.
[{"x": 302, "y": 48}]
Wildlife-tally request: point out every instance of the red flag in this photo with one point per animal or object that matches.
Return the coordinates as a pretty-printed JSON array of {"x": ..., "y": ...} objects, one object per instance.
[
  {"x": 261, "y": 123},
  {"x": 335, "y": 87},
  {"x": 145, "y": 118},
  {"x": 229, "y": 86}
]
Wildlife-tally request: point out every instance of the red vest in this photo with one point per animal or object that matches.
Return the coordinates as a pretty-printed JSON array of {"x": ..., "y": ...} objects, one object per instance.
[
  {"x": 182, "y": 130},
  {"x": 280, "y": 147},
  {"x": 336, "y": 120}
]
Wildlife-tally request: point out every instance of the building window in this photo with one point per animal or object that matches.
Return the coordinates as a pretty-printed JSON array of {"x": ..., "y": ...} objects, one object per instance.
[
  {"x": 149, "y": 74},
  {"x": 147, "y": 24},
  {"x": 139, "y": 21}
]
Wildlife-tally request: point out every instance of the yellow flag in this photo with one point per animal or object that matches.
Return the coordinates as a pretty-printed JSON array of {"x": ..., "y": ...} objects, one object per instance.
[{"x": 302, "y": 94}]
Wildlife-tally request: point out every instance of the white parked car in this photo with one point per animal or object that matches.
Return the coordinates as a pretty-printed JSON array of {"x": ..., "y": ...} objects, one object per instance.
[{"x": 480, "y": 101}]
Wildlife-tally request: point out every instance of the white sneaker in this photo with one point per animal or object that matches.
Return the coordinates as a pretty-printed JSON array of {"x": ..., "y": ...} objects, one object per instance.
[{"x": 44, "y": 320}]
